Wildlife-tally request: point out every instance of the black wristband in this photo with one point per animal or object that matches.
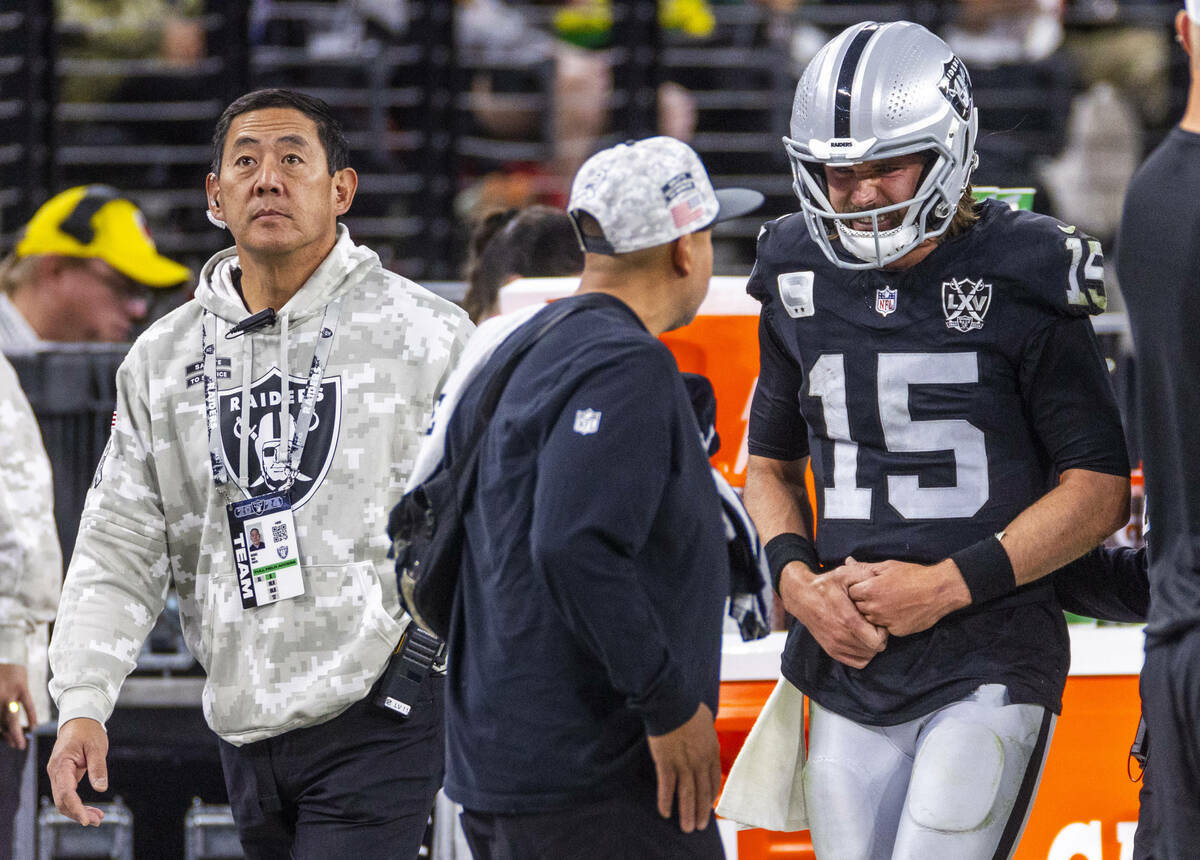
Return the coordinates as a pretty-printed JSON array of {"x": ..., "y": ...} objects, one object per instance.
[
  {"x": 783, "y": 549},
  {"x": 986, "y": 568}
]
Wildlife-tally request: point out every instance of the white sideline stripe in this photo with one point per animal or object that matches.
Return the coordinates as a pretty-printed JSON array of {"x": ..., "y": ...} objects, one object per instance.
[
  {"x": 726, "y": 295},
  {"x": 729, "y": 832}
]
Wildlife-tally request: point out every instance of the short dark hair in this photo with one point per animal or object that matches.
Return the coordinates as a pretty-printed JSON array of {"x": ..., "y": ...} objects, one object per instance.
[{"x": 329, "y": 130}]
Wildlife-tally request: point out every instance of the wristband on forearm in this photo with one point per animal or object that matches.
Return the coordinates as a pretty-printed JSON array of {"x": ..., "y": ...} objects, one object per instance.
[
  {"x": 986, "y": 569},
  {"x": 785, "y": 548}
]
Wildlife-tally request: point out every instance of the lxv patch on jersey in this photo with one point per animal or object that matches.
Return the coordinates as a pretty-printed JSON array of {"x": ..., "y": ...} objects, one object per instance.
[
  {"x": 965, "y": 303},
  {"x": 266, "y": 460}
]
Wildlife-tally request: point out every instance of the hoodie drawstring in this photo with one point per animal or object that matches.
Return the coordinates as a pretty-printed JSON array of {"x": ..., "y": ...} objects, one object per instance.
[
  {"x": 294, "y": 433},
  {"x": 285, "y": 413},
  {"x": 312, "y": 390},
  {"x": 244, "y": 420}
]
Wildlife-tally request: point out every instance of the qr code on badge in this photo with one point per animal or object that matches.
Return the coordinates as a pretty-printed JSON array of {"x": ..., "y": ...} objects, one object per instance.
[{"x": 279, "y": 532}]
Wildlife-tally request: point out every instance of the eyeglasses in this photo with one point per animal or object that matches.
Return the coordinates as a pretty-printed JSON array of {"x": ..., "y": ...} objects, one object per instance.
[{"x": 123, "y": 287}]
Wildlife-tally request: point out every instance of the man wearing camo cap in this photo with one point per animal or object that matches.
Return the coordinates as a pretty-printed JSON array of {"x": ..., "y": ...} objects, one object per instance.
[
  {"x": 289, "y": 398},
  {"x": 586, "y": 632}
]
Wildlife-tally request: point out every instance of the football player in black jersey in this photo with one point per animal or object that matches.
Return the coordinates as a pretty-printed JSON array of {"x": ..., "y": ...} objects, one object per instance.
[{"x": 933, "y": 359}]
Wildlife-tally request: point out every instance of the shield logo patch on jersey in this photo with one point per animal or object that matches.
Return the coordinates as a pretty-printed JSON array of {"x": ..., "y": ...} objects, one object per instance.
[
  {"x": 266, "y": 459},
  {"x": 587, "y": 421},
  {"x": 885, "y": 301},
  {"x": 965, "y": 303}
]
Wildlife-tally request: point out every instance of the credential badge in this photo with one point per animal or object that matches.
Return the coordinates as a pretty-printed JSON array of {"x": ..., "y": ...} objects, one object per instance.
[
  {"x": 796, "y": 293},
  {"x": 966, "y": 303},
  {"x": 885, "y": 301},
  {"x": 587, "y": 421}
]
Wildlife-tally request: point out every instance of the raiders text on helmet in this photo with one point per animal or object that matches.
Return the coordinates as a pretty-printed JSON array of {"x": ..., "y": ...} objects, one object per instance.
[{"x": 880, "y": 91}]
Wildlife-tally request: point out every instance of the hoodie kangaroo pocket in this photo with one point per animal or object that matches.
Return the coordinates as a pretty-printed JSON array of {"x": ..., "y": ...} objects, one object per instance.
[{"x": 300, "y": 658}]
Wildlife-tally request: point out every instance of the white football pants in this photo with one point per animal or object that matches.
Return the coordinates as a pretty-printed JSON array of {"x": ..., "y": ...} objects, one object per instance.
[{"x": 957, "y": 783}]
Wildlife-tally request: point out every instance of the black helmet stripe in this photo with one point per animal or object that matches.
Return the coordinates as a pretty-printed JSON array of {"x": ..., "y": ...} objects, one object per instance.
[{"x": 845, "y": 82}]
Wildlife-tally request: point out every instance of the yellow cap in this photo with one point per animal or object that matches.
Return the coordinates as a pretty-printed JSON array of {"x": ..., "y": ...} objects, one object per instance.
[{"x": 96, "y": 221}]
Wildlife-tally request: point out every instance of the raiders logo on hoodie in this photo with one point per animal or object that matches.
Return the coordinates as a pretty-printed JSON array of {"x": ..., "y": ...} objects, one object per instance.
[{"x": 266, "y": 460}]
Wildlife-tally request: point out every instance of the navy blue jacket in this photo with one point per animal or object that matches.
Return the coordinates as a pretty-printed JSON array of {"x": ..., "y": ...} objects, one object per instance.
[{"x": 589, "y": 611}]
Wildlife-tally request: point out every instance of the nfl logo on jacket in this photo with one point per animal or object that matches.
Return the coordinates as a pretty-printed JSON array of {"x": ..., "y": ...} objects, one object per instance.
[{"x": 587, "y": 421}]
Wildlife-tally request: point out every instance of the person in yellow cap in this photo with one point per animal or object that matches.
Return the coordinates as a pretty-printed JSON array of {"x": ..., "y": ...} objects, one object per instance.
[{"x": 81, "y": 271}]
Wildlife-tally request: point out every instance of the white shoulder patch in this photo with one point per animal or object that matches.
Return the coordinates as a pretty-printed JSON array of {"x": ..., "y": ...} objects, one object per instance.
[{"x": 796, "y": 293}]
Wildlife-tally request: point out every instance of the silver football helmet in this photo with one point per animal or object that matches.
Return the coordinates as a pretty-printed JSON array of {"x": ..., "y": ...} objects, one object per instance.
[{"x": 880, "y": 91}]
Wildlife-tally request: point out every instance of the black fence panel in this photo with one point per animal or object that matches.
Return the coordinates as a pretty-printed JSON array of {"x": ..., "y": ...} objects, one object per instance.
[
  {"x": 443, "y": 125},
  {"x": 73, "y": 392}
]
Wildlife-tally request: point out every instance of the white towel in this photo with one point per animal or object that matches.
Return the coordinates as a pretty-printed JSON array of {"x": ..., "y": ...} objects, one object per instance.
[{"x": 764, "y": 787}]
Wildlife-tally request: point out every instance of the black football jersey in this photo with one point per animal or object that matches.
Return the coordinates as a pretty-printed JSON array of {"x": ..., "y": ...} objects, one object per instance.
[{"x": 936, "y": 403}]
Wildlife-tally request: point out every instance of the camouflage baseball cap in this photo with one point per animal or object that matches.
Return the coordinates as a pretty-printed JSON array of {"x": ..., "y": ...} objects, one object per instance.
[{"x": 649, "y": 192}]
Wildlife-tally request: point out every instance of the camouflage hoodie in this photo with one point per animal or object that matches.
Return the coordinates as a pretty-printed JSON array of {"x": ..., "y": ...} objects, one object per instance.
[
  {"x": 30, "y": 560},
  {"x": 154, "y": 514}
]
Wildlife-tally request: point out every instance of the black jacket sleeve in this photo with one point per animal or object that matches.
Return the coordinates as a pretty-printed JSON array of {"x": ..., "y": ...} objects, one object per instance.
[{"x": 1109, "y": 583}]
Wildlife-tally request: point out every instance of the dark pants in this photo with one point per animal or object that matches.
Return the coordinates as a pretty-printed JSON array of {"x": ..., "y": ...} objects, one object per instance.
[
  {"x": 12, "y": 762},
  {"x": 1169, "y": 822},
  {"x": 1143, "y": 839},
  {"x": 627, "y": 827},
  {"x": 361, "y": 785}
]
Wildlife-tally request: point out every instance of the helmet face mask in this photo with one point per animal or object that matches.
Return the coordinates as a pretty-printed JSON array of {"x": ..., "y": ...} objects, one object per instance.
[{"x": 876, "y": 92}]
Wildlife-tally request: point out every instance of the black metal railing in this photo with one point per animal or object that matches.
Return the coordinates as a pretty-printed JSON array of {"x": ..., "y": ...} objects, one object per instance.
[{"x": 405, "y": 90}]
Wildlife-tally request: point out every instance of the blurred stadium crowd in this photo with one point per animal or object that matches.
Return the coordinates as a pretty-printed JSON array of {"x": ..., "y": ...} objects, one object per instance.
[{"x": 458, "y": 108}]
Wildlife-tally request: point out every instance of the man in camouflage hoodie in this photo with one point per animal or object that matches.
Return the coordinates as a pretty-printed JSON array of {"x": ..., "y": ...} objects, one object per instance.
[
  {"x": 316, "y": 402},
  {"x": 30, "y": 573}
]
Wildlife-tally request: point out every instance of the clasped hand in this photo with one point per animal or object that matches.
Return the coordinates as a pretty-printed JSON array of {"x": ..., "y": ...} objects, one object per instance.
[
  {"x": 852, "y": 609},
  {"x": 905, "y": 598},
  {"x": 824, "y": 606}
]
